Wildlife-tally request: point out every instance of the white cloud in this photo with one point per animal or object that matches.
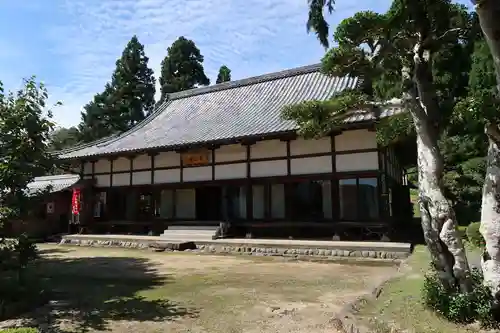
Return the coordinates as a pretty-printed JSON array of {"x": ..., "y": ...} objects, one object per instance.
[{"x": 251, "y": 37}]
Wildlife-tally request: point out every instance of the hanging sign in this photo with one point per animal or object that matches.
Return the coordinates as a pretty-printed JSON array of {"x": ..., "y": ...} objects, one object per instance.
[
  {"x": 195, "y": 158},
  {"x": 50, "y": 208},
  {"x": 75, "y": 202}
]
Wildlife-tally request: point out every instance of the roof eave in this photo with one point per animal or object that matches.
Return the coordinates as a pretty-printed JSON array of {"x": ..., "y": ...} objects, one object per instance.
[{"x": 214, "y": 143}]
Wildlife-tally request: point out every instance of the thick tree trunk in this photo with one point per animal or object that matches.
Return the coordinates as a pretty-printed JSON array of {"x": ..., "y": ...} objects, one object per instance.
[
  {"x": 490, "y": 217},
  {"x": 438, "y": 218},
  {"x": 489, "y": 14}
]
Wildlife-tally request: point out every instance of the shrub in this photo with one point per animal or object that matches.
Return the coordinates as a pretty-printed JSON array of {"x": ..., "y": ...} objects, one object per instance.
[
  {"x": 21, "y": 330},
  {"x": 460, "y": 307},
  {"x": 462, "y": 231},
  {"x": 473, "y": 234}
]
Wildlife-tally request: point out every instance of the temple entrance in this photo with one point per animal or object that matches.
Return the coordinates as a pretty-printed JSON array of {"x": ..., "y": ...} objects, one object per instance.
[{"x": 208, "y": 203}]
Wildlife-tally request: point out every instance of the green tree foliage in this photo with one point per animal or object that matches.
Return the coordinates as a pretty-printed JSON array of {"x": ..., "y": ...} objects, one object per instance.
[
  {"x": 224, "y": 74},
  {"x": 97, "y": 116},
  {"x": 63, "y": 138},
  {"x": 182, "y": 68},
  {"x": 410, "y": 46},
  {"x": 375, "y": 47},
  {"x": 134, "y": 85},
  {"x": 125, "y": 101},
  {"x": 464, "y": 145},
  {"x": 451, "y": 63},
  {"x": 25, "y": 128}
]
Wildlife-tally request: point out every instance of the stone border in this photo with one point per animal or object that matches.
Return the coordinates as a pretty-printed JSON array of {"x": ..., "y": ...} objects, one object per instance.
[
  {"x": 314, "y": 253},
  {"x": 345, "y": 320}
]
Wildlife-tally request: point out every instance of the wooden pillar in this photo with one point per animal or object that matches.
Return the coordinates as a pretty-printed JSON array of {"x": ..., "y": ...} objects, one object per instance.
[
  {"x": 249, "y": 190},
  {"x": 111, "y": 165},
  {"x": 131, "y": 166},
  {"x": 212, "y": 162},
  {"x": 334, "y": 186},
  {"x": 93, "y": 169},
  {"x": 153, "y": 162}
]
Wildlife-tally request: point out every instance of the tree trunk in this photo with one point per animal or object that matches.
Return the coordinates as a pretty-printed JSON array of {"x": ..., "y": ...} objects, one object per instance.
[
  {"x": 438, "y": 218},
  {"x": 490, "y": 216},
  {"x": 489, "y": 14}
]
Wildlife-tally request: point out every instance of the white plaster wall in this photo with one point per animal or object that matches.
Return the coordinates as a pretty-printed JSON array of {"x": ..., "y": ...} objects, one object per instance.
[
  {"x": 102, "y": 165},
  {"x": 87, "y": 168},
  {"x": 102, "y": 180},
  {"x": 121, "y": 179},
  {"x": 167, "y": 176},
  {"x": 231, "y": 171},
  {"x": 268, "y": 168},
  {"x": 302, "y": 146},
  {"x": 167, "y": 159},
  {"x": 142, "y": 162},
  {"x": 355, "y": 139},
  {"x": 230, "y": 153},
  {"x": 311, "y": 165},
  {"x": 357, "y": 162},
  {"x": 185, "y": 204},
  {"x": 87, "y": 177},
  {"x": 121, "y": 164},
  {"x": 141, "y": 177},
  {"x": 269, "y": 148},
  {"x": 197, "y": 174}
]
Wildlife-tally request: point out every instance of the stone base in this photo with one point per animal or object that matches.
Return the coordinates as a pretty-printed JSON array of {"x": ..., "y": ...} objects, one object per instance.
[
  {"x": 286, "y": 248},
  {"x": 172, "y": 246},
  {"x": 300, "y": 253}
]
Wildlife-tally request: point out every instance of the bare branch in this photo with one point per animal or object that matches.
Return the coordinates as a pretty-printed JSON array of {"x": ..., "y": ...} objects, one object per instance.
[{"x": 446, "y": 33}]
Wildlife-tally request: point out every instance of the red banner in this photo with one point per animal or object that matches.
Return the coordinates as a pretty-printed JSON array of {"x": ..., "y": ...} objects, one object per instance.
[{"x": 75, "y": 201}]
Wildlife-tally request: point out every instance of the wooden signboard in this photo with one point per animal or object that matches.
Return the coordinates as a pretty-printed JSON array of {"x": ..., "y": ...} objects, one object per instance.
[{"x": 196, "y": 158}]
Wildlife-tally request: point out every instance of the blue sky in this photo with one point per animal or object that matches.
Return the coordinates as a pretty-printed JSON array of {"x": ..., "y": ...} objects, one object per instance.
[{"x": 72, "y": 45}]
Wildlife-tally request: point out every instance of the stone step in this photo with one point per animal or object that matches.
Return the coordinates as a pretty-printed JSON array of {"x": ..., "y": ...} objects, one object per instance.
[
  {"x": 186, "y": 236},
  {"x": 192, "y": 228},
  {"x": 189, "y": 232}
]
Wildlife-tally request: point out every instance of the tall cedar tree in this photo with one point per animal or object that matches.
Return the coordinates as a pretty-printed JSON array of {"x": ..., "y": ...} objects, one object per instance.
[
  {"x": 133, "y": 86},
  {"x": 224, "y": 74},
  {"x": 96, "y": 116},
  {"x": 182, "y": 68},
  {"x": 403, "y": 44},
  {"x": 126, "y": 101}
]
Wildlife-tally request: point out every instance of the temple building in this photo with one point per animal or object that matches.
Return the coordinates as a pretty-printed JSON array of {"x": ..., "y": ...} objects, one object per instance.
[{"x": 224, "y": 153}]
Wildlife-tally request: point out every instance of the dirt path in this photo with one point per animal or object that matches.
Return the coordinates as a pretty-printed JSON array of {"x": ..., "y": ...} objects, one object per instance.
[{"x": 115, "y": 290}]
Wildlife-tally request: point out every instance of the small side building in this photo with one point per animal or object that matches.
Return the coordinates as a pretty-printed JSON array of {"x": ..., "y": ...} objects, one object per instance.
[
  {"x": 223, "y": 153},
  {"x": 50, "y": 212}
]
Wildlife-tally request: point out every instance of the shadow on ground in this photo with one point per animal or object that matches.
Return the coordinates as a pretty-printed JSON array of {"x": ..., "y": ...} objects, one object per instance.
[{"x": 88, "y": 293}]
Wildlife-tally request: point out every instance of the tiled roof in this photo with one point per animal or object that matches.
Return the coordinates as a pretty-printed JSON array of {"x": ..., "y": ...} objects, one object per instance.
[
  {"x": 57, "y": 183},
  {"x": 229, "y": 110}
]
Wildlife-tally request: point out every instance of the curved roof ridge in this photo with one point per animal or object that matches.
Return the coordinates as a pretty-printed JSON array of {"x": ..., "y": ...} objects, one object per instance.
[
  {"x": 246, "y": 81},
  {"x": 194, "y": 92}
]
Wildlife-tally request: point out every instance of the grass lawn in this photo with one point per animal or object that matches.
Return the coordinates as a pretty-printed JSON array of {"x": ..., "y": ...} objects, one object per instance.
[
  {"x": 400, "y": 303},
  {"x": 414, "y": 200},
  {"x": 118, "y": 290}
]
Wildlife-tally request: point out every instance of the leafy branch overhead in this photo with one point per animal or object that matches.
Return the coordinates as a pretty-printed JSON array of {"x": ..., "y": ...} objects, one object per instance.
[
  {"x": 319, "y": 118},
  {"x": 375, "y": 47}
]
